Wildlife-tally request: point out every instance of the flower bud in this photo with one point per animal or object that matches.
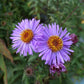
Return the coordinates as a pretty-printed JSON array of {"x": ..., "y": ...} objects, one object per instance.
[
  {"x": 57, "y": 68},
  {"x": 29, "y": 71},
  {"x": 74, "y": 38}
]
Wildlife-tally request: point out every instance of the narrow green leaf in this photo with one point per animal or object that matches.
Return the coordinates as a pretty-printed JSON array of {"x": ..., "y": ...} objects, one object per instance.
[
  {"x": 32, "y": 58},
  {"x": 3, "y": 68}
]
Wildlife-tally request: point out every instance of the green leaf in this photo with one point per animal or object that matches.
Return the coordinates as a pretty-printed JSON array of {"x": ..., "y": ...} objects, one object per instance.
[
  {"x": 4, "y": 51},
  {"x": 3, "y": 68},
  {"x": 54, "y": 82},
  {"x": 15, "y": 77},
  {"x": 32, "y": 58}
]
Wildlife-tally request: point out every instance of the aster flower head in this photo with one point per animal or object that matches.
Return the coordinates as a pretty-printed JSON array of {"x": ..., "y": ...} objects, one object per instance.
[
  {"x": 24, "y": 36},
  {"x": 54, "y": 45},
  {"x": 57, "y": 68}
]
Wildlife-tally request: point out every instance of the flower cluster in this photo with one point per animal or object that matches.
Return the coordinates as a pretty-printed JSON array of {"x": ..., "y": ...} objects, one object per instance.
[{"x": 50, "y": 41}]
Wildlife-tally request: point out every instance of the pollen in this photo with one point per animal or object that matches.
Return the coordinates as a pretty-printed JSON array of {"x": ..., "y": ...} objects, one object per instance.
[
  {"x": 55, "y": 43},
  {"x": 27, "y": 35}
]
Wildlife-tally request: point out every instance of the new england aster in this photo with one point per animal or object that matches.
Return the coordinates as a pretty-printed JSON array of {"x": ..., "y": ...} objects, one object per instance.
[
  {"x": 24, "y": 36},
  {"x": 54, "y": 45}
]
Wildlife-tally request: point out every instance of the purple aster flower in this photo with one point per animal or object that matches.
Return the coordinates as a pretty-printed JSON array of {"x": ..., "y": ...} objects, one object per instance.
[
  {"x": 54, "y": 45},
  {"x": 24, "y": 36},
  {"x": 57, "y": 68},
  {"x": 74, "y": 38}
]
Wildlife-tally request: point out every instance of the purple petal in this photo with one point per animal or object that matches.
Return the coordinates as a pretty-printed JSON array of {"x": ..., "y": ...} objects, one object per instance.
[
  {"x": 68, "y": 43},
  {"x": 63, "y": 33},
  {"x": 57, "y": 32},
  {"x": 54, "y": 58},
  {"x": 18, "y": 50},
  {"x": 65, "y": 56},
  {"x": 30, "y": 50},
  {"x": 68, "y": 49}
]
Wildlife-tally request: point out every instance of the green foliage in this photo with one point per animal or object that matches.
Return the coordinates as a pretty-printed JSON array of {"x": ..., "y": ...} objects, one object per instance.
[
  {"x": 66, "y": 13},
  {"x": 3, "y": 68}
]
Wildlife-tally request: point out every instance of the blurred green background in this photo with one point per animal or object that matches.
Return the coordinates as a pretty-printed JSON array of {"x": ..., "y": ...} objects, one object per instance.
[{"x": 13, "y": 67}]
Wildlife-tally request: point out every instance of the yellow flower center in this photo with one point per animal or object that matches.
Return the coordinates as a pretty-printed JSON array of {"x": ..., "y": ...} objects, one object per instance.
[
  {"x": 55, "y": 43},
  {"x": 27, "y": 35}
]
